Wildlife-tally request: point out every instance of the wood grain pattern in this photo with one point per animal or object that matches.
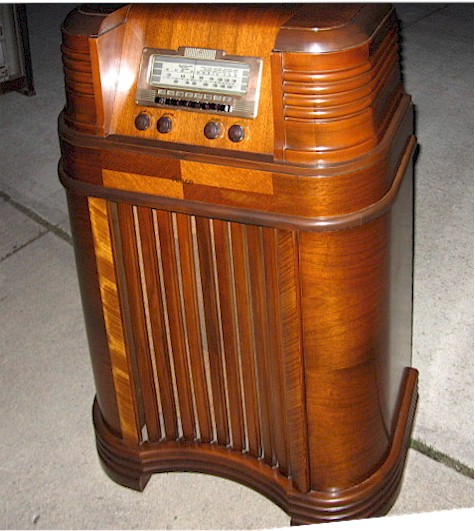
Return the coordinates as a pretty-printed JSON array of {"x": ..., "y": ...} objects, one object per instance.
[
  {"x": 289, "y": 318},
  {"x": 93, "y": 310},
  {"x": 228, "y": 318},
  {"x": 275, "y": 360},
  {"x": 247, "y": 31},
  {"x": 160, "y": 348},
  {"x": 372, "y": 497},
  {"x": 246, "y": 337},
  {"x": 257, "y": 182},
  {"x": 204, "y": 236},
  {"x": 248, "y": 304},
  {"x": 331, "y": 191},
  {"x": 137, "y": 183},
  {"x": 121, "y": 365},
  {"x": 175, "y": 320},
  {"x": 192, "y": 305},
  {"x": 338, "y": 112}
]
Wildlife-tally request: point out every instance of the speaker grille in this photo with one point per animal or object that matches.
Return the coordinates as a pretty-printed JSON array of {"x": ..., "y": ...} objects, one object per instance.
[{"x": 213, "y": 328}]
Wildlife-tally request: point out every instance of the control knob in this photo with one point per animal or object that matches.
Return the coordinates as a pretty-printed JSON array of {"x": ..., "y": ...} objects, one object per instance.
[
  {"x": 213, "y": 130},
  {"x": 236, "y": 133},
  {"x": 165, "y": 124},
  {"x": 142, "y": 121}
]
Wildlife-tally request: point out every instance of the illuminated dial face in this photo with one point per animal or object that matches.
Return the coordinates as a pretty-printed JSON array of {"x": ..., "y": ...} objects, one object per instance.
[{"x": 227, "y": 77}]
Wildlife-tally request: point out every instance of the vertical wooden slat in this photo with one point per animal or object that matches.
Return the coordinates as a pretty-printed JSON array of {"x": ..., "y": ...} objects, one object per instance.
[
  {"x": 293, "y": 365},
  {"x": 183, "y": 376},
  {"x": 259, "y": 309},
  {"x": 246, "y": 338},
  {"x": 250, "y": 308},
  {"x": 190, "y": 296},
  {"x": 129, "y": 336},
  {"x": 120, "y": 360},
  {"x": 204, "y": 240},
  {"x": 132, "y": 291},
  {"x": 158, "y": 328},
  {"x": 275, "y": 361},
  {"x": 230, "y": 340}
]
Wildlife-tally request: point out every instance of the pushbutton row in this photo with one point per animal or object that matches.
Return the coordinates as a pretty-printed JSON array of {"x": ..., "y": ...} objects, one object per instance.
[
  {"x": 193, "y": 96},
  {"x": 190, "y": 104}
]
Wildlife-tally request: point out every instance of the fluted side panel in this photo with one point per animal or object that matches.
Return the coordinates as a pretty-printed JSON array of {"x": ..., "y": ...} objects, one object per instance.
[
  {"x": 209, "y": 302},
  {"x": 80, "y": 110},
  {"x": 342, "y": 111}
]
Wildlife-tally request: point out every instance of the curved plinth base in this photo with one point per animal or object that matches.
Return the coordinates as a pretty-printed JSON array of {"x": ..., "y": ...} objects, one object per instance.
[{"x": 133, "y": 466}]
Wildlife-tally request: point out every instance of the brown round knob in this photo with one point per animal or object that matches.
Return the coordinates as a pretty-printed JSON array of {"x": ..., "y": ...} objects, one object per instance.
[
  {"x": 213, "y": 130},
  {"x": 142, "y": 121},
  {"x": 236, "y": 133},
  {"x": 165, "y": 124}
]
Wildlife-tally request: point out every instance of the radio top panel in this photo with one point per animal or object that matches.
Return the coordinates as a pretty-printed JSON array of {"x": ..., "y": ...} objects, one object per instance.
[
  {"x": 308, "y": 84},
  {"x": 200, "y": 80}
]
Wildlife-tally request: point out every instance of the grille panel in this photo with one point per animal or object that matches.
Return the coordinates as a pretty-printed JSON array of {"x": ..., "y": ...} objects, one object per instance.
[{"x": 214, "y": 312}]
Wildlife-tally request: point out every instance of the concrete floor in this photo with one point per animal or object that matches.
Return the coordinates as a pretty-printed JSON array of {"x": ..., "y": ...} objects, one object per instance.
[{"x": 49, "y": 472}]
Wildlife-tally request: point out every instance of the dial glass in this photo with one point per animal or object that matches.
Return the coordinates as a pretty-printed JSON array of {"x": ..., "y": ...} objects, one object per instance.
[{"x": 224, "y": 77}]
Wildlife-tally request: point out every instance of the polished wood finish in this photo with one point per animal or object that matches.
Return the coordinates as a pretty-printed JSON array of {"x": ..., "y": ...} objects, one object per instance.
[
  {"x": 248, "y": 305},
  {"x": 372, "y": 497},
  {"x": 113, "y": 318},
  {"x": 93, "y": 311}
]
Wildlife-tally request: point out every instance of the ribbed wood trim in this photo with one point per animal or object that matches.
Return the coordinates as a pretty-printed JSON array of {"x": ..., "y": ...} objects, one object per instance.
[{"x": 132, "y": 467}]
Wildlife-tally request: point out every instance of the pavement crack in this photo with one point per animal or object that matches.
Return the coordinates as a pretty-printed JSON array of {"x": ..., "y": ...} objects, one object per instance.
[
  {"x": 19, "y": 248},
  {"x": 443, "y": 6},
  {"x": 58, "y": 231},
  {"x": 442, "y": 458}
]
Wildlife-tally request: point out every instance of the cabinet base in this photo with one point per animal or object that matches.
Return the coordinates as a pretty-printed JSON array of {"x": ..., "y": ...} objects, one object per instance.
[{"x": 133, "y": 467}]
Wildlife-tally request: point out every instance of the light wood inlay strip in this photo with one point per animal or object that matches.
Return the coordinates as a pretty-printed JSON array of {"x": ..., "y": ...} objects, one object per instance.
[
  {"x": 134, "y": 182},
  {"x": 241, "y": 179},
  {"x": 113, "y": 320}
]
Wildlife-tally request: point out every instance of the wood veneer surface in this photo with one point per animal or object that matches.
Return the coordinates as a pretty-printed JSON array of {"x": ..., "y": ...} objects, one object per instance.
[{"x": 248, "y": 304}]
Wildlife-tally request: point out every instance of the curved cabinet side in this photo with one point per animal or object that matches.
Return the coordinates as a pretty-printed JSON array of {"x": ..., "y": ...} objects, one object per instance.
[
  {"x": 93, "y": 311},
  {"x": 132, "y": 466}
]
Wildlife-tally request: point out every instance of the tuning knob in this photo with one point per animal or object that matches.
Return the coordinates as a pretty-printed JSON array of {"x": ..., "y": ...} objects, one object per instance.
[
  {"x": 165, "y": 124},
  {"x": 142, "y": 121},
  {"x": 213, "y": 130},
  {"x": 236, "y": 133}
]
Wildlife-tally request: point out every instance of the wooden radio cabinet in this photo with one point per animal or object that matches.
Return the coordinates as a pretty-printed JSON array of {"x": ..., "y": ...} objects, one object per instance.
[{"x": 239, "y": 180}]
